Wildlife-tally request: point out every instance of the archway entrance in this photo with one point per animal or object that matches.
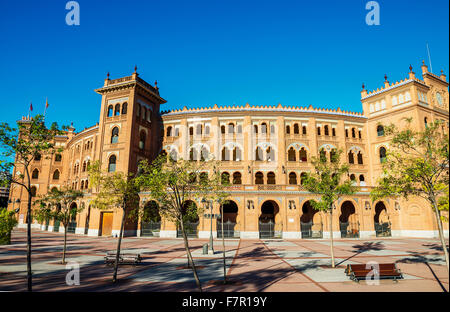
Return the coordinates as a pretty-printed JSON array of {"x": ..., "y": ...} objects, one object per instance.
[
  {"x": 73, "y": 218},
  {"x": 381, "y": 221},
  {"x": 268, "y": 228},
  {"x": 311, "y": 222},
  {"x": 190, "y": 219},
  {"x": 230, "y": 225},
  {"x": 348, "y": 222},
  {"x": 151, "y": 220}
]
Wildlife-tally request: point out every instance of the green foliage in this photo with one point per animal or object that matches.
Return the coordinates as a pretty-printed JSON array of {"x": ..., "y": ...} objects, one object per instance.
[
  {"x": 416, "y": 164},
  {"x": 55, "y": 199},
  {"x": 329, "y": 179},
  {"x": 7, "y": 222}
]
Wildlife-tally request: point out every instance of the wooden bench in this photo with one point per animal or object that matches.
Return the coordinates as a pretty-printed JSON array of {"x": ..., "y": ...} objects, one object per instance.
[
  {"x": 110, "y": 258},
  {"x": 358, "y": 272}
]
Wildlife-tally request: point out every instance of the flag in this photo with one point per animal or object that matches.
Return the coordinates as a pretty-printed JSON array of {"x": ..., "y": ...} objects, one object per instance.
[
  {"x": 31, "y": 106},
  {"x": 46, "y": 102}
]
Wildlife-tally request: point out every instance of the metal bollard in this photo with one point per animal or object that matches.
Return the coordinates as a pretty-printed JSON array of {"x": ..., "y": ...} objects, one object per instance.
[{"x": 205, "y": 249}]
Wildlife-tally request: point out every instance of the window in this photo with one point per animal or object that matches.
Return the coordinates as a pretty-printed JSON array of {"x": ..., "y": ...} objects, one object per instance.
[
  {"x": 237, "y": 178},
  {"x": 291, "y": 154},
  {"x": 263, "y": 128},
  {"x": 259, "y": 154},
  {"x": 199, "y": 129},
  {"x": 352, "y": 177},
  {"x": 225, "y": 178},
  {"x": 110, "y": 110},
  {"x": 296, "y": 129},
  {"x": 239, "y": 129},
  {"x": 124, "y": 108},
  {"x": 318, "y": 130},
  {"x": 237, "y": 154},
  {"x": 144, "y": 113},
  {"x": 225, "y": 154},
  {"x": 360, "y": 158},
  {"x": 323, "y": 155},
  {"x": 112, "y": 163},
  {"x": 259, "y": 178},
  {"x": 288, "y": 130},
  {"x": 193, "y": 154},
  {"x": 346, "y": 133},
  {"x": 425, "y": 120},
  {"x": 326, "y": 130},
  {"x": 169, "y": 131},
  {"x": 292, "y": 178},
  {"x": 382, "y": 155},
  {"x": 222, "y": 129},
  {"x": 361, "y": 178},
  {"x": 303, "y": 155},
  {"x": 58, "y": 157},
  {"x": 56, "y": 175},
  {"x": 117, "y": 110},
  {"x": 353, "y": 133},
  {"x": 191, "y": 130},
  {"x": 142, "y": 138},
  {"x": 82, "y": 185},
  {"x": 115, "y": 135},
  {"x": 270, "y": 154},
  {"x": 207, "y": 130},
  {"x": 86, "y": 184},
  {"x": 35, "y": 174},
  {"x": 230, "y": 128},
  {"x": 33, "y": 191},
  {"x": 204, "y": 153},
  {"x": 359, "y": 134},
  {"x": 304, "y": 130},
  {"x": 271, "y": 178},
  {"x": 37, "y": 157},
  {"x": 272, "y": 129},
  {"x": 302, "y": 178},
  {"x": 255, "y": 129},
  {"x": 84, "y": 166},
  {"x": 380, "y": 130},
  {"x": 333, "y": 131},
  {"x": 139, "y": 111},
  {"x": 333, "y": 155},
  {"x": 351, "y": 159}
]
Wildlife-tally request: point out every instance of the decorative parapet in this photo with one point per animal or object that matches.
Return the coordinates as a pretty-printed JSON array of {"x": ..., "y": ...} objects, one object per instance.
[{"x": 392, "y": 86}]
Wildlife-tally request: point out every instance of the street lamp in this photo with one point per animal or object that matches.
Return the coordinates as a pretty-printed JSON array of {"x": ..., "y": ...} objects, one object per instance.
[{"x": 209, "y": 205}]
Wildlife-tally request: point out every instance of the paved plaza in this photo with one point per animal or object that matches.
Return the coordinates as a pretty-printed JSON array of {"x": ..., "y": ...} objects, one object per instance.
[{"x": 252, "y": 265}]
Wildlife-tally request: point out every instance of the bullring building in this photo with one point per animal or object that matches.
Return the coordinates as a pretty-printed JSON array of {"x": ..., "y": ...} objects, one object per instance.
[{"x": 264, "y": 153}]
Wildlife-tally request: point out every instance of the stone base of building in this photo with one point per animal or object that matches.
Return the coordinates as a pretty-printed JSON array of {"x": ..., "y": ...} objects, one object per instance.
[
  {"x": 418, "y": 233},
  {"x": 79, "y": 230},
  {"x": 168, "y": 234},
  {"x": 336, "y": 234},
  {"x": 249, "y": 234},
  {"x": 292, "y": 235},
  {"x": 207, "y": 234},
  {"x": 92, "y": 232},
  {"x": 367, "y": 234}
]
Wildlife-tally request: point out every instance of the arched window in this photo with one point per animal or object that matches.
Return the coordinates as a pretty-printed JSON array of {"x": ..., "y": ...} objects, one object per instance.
[
  {"x": 333, "y": 131},
  {"x": 37, "y": 157},
  {"x": 272, "y": 129},
  {"x": 359, "y": 134},
  {"x": 361, "y": 178},
  {"x": 222, "y": 129},
  {"x": 230, "y": 128},
  {"x": 255, "y": 129},
  {"x": 203, "y": 177},
  {"x": 225, "y": 153},
  {"x": 177, "y": 132},
  {"x": 292, "y": 178},
  {"x": 302, "y": 178},
  {"x": 193, "y": 154},
  {"x": 259, "y": 178},
  {"x": 263, "y": 127},
  {"x": 203, "y": 153},
  {"x": 303, "y": 155},
  {"x": 291, "y": 154},
  {"x": 296, "y": 129},
  {"x": 318, "y": 130},
  {"x": 199, "y": 129},
  {"x": 271, "y": 178},
  {"x": 323, "y": 155},
  {"x": 237, "y": 155},
  {"x": 207, "y": 130},
  {"x": 169, "y": 131},
  {"x": 333, "y": 155},
  {"x": 360, "y": 158},
  {"x": 351, "y": 159},
  {"x": 149, "y": 115},
  {"x": 82, "y": 185},
  {"x": 173, "y": 155},
  {"x": 352, "y": 177},
  {"x": 239, "y": 129},
  {"x": 237, "y": 178},
  {"x": 353, "y": 133},
  {"x": 144, "y": 113},
  {"x": 259, "y": 154},
  {"x": 115, "y": 135},
  {"x": 382, "y": 154},
  {"x": 346, "y": 133},
  {"x": 142, "y": 137},
  {"x": 327, "y": 132},
  {"x": 84, "y": 166},
  {"x": 56, "y": 175},
  {"x": 191, "y": 130},
  {"x": 35, "y": 174},
  {"x": 225, "y": 178},
  {"x": 110, "y": 110},
  {"x": 288, "y": 130},
  {"x": 304, "y": 130},
  {"x": 425, "y": 120},
  {"x": 270, "y": 154},
  {"x": 33, "y": 191},
  {"x": 117, "y": 110},
  {"x": 86, "y": 184},
  {"x": 380, "y": 130},
  {"x": 124, "y": 108},
  {"x": 88, "y": 164},
  {"x": 58, "y": 157},
  {"x": 112, "y": 163}
]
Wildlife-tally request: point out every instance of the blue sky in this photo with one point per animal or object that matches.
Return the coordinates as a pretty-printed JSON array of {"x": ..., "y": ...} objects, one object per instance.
[{"x": 204, "y": 52}]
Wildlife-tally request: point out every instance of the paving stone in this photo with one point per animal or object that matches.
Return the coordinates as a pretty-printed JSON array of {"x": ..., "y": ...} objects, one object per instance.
[{"x": 279, "y": 243}]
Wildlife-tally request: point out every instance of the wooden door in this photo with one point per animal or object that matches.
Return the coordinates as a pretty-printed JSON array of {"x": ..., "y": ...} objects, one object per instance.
[{"x": 107, "y": 221}]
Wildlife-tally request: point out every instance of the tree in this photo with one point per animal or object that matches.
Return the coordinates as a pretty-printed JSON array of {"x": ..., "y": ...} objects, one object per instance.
[
  {"x": 65, "y": 200},
  {"x": 173, "y": 183},
  {"x": 114, "y": 190},
  {"x": 329, "y": 180},
  {"x": 31, "y": 139},
  {"x": 7, "y": 222},
  {"x": 417, "y": 164}
]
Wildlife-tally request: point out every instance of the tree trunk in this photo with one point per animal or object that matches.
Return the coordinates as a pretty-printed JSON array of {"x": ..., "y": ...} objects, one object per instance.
[
  {"x": 116, "y": 263},
  {"x": 331, "y": 236},
  {"x": 65, "y": 242},
  {"x": 190, "y": 260},
  {"x": 224, "y": 259},
  {"x": 441, "y": 232},
  {"x": 29, "y": 274}
]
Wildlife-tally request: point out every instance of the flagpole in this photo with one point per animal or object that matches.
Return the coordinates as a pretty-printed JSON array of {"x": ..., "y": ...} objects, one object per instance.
[{"x": 46, "y": 105}]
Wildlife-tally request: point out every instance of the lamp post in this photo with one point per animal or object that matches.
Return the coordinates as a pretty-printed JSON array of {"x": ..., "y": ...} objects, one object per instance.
[{"x": 211, "y": 248}]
